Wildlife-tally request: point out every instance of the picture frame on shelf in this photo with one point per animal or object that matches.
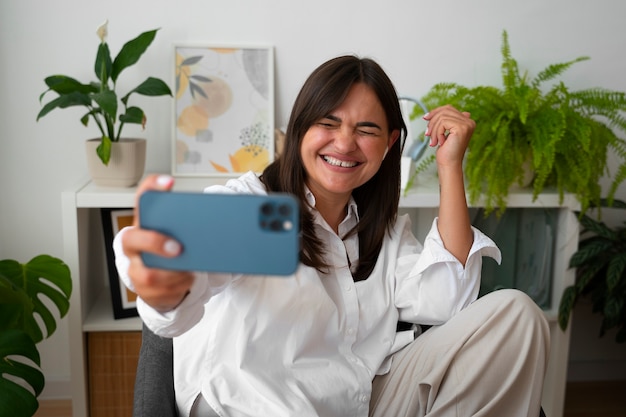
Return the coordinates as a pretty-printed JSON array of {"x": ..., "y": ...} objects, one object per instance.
[
  {"x": 123, "y": 300},
  {"x": 223, "y": 109}
]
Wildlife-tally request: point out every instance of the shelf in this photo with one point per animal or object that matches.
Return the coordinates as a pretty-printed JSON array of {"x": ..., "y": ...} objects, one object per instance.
[
  {"x": 426, "y": 195},
  {"x": 91, "y": 195},
  {"x": 423, "y": 195},
  {"x": 100, "y": 317}
]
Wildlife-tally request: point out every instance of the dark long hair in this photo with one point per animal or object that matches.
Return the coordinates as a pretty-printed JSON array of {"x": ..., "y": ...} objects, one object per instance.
[{"x": 377, "y": 200}]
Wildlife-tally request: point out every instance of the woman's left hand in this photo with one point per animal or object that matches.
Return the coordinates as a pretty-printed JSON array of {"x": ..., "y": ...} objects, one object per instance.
[{"x": 451, "y": 130}]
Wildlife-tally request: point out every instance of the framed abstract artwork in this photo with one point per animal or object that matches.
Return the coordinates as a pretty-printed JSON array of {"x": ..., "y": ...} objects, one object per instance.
[
  {"x": 123, "y": 300},
  {"x": 223, "y": 109}
]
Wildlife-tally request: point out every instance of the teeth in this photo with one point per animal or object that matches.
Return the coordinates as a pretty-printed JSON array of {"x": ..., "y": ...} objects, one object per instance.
[{"x": 339, "y": 163}]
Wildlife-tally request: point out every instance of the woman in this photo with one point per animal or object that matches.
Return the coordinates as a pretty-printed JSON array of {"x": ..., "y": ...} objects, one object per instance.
[{"x": 324, "y": 341}]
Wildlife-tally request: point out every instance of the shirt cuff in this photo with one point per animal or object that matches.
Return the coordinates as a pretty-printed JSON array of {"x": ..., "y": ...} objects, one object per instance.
[
  {"x": 122, "y": 263},
  {"x": 435, "y": 252}
]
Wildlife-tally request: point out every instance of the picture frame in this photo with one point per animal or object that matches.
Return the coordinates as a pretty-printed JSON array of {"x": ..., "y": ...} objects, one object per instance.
[
  {"x": 223, "y": 109},
  {"x": 123, "y": 300}
]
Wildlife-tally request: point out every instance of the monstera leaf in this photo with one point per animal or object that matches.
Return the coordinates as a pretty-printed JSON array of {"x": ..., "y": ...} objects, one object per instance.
[
  {"x": 15, "y": 399},
  {"x": 29, "y": 281},
  {"x": 23, "y": 290}
]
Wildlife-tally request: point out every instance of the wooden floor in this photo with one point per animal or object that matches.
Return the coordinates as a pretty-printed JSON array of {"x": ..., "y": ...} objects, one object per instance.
[
  {"x": 595, "y": 399},
  {"x": 582, "y": 399}
]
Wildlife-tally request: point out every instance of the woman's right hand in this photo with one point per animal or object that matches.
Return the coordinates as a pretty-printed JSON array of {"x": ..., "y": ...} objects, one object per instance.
[{"x": 163, "y": 290}]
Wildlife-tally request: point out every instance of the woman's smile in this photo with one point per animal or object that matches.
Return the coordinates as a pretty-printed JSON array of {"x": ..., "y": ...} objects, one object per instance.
[{"x": 338, "y": 162}]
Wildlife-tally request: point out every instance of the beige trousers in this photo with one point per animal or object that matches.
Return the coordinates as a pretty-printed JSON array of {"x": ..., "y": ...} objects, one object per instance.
[{"x": 488, "y": 360}]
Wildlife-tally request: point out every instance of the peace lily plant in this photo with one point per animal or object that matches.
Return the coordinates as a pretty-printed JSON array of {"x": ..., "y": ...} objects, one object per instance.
[{"x": 100, "y": 97}]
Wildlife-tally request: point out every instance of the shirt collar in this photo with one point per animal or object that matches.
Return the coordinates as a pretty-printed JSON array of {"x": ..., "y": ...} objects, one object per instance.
[{"x": 352, "y": 206}]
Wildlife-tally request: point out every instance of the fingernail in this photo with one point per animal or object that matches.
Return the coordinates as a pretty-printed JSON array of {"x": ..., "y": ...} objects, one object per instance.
[
  {"x": 427, "y": 133},
  {"x": 425, "y": 116},
  {"x": 164, "y": 180},
  {"x": 171, "y": 247}
]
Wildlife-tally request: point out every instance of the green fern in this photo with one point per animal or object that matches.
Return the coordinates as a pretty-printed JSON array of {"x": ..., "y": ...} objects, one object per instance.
[{"x": 565, "y": 136}]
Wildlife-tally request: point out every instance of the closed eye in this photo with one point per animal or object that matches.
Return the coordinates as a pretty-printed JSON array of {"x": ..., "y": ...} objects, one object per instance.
[
  {"x": 362, "y": 128},
  {"x": 325, "y": 124},
  {"x": 367, "y": 132},
  {"x": 329, "y": 122}
]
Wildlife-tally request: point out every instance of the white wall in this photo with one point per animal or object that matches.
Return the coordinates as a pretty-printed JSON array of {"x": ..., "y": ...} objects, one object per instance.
[{"x": 418, "y": 42}]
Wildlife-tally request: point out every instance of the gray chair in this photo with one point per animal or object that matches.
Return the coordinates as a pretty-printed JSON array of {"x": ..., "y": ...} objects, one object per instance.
[{"x": 154, "y": 383}]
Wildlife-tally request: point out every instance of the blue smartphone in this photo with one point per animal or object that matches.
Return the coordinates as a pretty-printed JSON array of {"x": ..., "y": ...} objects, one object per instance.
[{"x": 236, "y": 233}]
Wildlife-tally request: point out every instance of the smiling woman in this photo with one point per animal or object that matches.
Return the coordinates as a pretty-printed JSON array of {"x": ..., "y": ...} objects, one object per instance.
[{"x": 329, "y": 332}]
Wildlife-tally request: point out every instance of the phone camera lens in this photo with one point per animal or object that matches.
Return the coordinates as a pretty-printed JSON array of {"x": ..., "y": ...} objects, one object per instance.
[
  {"x": 276, "y": 225},
  {"x": 284, "y": 210},
  {"x": 267, "y": 209}
]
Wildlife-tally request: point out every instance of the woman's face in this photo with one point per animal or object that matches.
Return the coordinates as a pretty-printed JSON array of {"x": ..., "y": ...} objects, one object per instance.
[{"x": 344, "y": 149}]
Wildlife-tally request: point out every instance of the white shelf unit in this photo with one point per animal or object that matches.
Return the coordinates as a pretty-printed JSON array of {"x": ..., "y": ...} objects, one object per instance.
[{"x": 91, "y": 307}]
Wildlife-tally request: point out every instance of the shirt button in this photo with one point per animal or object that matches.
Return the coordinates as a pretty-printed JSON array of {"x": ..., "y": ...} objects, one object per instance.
[
  {"x": 350, "y": 331},
  {"x": 348, "y": 288},
  {"x": 364, "y": 398}
]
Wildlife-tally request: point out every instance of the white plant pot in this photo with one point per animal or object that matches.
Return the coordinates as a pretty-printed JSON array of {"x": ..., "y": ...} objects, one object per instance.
[{"x": 126, "y": 166}]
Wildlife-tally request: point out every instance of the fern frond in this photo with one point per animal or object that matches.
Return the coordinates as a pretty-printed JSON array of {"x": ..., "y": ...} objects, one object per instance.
[
  {"x": 554, "y": 70},
  {"x": 618, "y": 179},
  {"x": 510, "y": 71},
  {"x": 421, "y": 167}
]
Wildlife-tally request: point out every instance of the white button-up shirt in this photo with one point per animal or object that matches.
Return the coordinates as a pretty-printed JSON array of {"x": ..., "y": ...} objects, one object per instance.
[{"x": 311, "y": 343}]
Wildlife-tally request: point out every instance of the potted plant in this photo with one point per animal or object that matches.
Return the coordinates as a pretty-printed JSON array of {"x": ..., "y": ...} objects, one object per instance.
[
  {"x": 22, "y": 287},
  {"x": 558, "y": 136},
  {"x": 102, "y": 102},
  {"x": 600, "y": 264}
]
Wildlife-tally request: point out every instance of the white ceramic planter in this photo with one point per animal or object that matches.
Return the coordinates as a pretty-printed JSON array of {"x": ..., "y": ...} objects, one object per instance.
[{"x": 126, "y": 166}]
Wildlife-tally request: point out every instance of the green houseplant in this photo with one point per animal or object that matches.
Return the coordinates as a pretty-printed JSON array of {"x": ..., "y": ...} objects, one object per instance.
[
  {"x": 22, "y": 288},
  {"x": 562, "y": 137},
  {"x": 600, "y": 264},
  {"x": 100, "y": 97}
]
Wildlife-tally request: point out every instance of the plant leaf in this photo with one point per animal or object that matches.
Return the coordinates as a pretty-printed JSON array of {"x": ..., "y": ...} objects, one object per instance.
[
  {"x": 104, "y": 150},
  {"x": 599, "y": 228},
  {"x": 153, "y": 87},
  {"x": 103, "y": 64},
  {"x": 107, "y": 100},
  {"x": 150, "y": 87},
  {"x": 586, "y": 276},
  {"x": 615, "y": 272},
  {"x": 35, "y": 278},
  {"x": 16, "y": 400},
  {"x": 131, "y": 52},
  {"x": 64, "y": 101},
  {"x": 612, "y": 309},
  {"x": 15, "y": 304},
  {"x": 589, "y": 250},
  {"x": 62, "y": 84},
  {"x": 132, "y": 115},
  {"x": 568, "y": 300}
]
